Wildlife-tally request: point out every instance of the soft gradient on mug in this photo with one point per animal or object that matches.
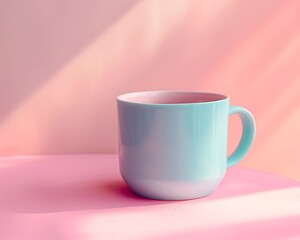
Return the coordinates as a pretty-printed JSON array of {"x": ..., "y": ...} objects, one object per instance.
[
  {"x": 173, "y": 144},
  {"x": 62, "y": 66}
]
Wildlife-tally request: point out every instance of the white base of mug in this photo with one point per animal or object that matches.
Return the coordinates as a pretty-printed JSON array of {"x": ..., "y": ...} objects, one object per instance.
[{"x": 172, "y": 190}]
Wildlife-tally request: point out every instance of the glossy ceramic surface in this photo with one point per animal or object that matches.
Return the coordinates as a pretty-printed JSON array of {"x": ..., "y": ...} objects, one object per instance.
[{"x": 173, "y": 145}]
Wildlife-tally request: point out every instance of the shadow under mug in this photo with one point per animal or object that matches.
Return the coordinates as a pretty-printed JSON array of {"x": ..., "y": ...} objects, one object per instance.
[{"x": 173, "y": 145}]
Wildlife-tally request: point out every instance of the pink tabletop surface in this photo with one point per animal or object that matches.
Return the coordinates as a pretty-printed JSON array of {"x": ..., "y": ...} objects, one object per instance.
[{"x": 83, "y": 197}]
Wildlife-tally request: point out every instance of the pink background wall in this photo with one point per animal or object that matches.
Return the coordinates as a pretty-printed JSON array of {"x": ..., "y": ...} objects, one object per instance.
[{"x": 63, "y": 63}]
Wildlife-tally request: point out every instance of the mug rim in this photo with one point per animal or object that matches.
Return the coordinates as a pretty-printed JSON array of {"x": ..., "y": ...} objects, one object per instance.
[{"x": 124, "y": 97}]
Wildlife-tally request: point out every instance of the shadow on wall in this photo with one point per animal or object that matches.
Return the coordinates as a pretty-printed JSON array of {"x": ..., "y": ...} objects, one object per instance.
[
  {"x": 92, "y": 51},
  {"x": 38, "y": 37}
]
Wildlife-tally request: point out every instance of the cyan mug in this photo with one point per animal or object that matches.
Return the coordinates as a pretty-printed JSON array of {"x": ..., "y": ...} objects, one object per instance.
[{"x": 173, "y": 145}]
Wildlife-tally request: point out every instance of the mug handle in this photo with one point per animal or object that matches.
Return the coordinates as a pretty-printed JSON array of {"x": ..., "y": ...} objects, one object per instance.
[{"x": 247, "y": 135}]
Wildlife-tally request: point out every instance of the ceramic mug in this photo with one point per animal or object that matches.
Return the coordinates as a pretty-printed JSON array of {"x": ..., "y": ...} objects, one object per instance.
[{"x": 173, "y": 145}]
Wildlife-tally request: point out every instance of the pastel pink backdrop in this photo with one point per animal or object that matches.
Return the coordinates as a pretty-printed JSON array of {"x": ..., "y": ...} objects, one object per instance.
[{"x": 63, "y": 63}]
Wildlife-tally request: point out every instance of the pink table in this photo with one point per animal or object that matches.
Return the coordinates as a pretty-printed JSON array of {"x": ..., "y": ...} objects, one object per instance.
[{"x": 83, "y": 197}]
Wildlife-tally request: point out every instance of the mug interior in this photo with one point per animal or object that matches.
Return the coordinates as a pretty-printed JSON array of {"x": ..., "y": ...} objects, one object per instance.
[{"x": 169, "y": 97}]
